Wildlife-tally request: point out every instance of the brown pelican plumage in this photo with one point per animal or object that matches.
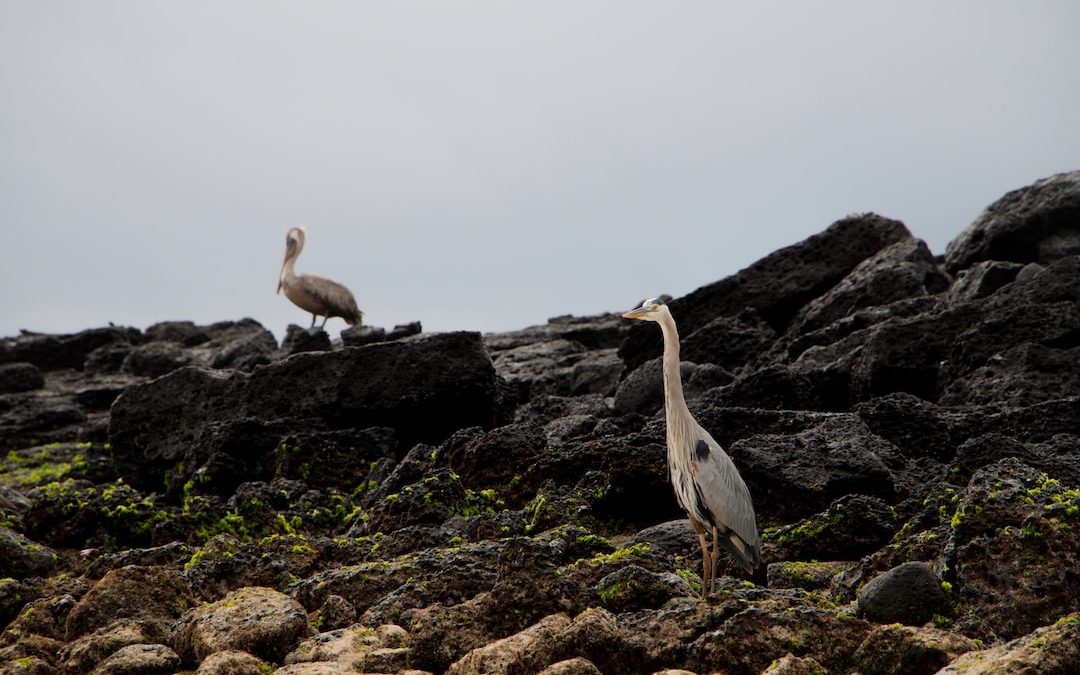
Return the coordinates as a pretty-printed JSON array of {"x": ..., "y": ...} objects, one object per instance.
[{"x": 312, "y": 293}]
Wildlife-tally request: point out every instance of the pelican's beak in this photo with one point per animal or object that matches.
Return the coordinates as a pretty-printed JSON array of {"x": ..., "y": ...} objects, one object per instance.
[{"x": 278, "y": 286}]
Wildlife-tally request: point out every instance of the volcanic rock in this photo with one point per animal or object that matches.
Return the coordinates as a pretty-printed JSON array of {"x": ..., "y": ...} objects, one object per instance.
[
  {"x": 16, "y": 377},
  {"x": 910, "y": 593},
  {"x": 1038, "y": 223},
  {"x": 229, "y": 423}
]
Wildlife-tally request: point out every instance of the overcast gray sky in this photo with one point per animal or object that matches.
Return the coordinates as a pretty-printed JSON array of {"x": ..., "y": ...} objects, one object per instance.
[{"x": 487, "y": 165}]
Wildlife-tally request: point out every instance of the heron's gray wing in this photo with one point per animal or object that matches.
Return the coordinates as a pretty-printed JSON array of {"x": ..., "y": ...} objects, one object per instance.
[{"x": 722, "y": 491}]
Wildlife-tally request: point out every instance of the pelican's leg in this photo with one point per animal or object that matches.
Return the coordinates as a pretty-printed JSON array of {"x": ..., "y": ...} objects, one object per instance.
[
  {"x": 324, "y": 320},
  {"x": 313, "y": 317},
  {"x": 715, "y": 555},
  {"x": 706, "y": 559}
]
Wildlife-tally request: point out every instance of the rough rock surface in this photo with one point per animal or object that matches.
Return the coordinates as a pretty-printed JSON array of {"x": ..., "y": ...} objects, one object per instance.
[{"x": 198, "y": 499}]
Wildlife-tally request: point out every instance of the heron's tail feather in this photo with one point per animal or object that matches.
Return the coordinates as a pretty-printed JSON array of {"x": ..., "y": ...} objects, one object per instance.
[{"x": 747, "y": 556}]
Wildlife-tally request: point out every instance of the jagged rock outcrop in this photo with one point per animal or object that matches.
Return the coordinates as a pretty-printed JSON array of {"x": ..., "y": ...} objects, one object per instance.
[
  {"x": 225, "y": 424},
  {"x": 196, "y": 498}
]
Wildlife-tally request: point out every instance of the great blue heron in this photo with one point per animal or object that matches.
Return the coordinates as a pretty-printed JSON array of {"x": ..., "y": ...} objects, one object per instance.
[
  {"x": 310, "y": 292},
  {"x": 707, "y": 484}
]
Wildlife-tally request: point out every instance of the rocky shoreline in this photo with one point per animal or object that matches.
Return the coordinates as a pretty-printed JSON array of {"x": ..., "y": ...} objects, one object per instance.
[{"x": 191, "y": 498}]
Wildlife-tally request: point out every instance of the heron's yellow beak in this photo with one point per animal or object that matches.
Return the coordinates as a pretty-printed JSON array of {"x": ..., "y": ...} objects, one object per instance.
[{"x": 634, "y": 314}]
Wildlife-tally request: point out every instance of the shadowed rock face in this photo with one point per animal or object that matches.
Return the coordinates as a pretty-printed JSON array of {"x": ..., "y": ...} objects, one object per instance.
[
  {"x": 422, "y": 389},
  {"x": 500, "y": 503}
]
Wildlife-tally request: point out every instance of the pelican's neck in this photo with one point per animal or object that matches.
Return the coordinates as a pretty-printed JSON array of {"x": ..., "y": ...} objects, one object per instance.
[
  {"x": 674, "y": 402},
  {"x": 287, "y": 271}
]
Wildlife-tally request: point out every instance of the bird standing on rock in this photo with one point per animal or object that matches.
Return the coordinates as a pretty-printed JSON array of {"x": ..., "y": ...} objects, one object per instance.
[
  {"x": 707, "y": 484},
  {"x": 310, "y": 292}
]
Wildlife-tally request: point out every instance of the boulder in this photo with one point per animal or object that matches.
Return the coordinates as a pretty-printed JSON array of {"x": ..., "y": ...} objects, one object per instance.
[
  {"x": 21, "y": 558},
  {"x": 299, "y": 339},
  {"x": 154, "y": 359},
  {"x": 1037, "y": 223},
  {"x": 87, "y": 652},
  {"x": 233, "y": 662},
  {"x": 910, "y": 593},
  {"x": 155, "y": 594},
  {"x": 778, "y": 285},
  {"x": 17, "y": 377},
  {"x": 370, "y": 650},
  {"x": 260, "y": 621},
  {"x": 1053, "y": 649},
  {"x": 903, "y": 650},
  {"x": 230, "y": 422},
  {"x": 1015, "y": 548},
  {"x": 140, "y": 659},
  {"x": 902, "y": 270},
  {"x": 795, "y": 476}
]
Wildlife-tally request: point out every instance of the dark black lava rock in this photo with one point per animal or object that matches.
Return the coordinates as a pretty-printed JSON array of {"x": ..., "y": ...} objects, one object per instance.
[
  {"x": 778, "y": 285},
  {"x": 16, "y": 377},
  {"x": 423, "y": 389},
  {"x": 1037, "y": 223},
  {"x": 910, "y": 593},
  {"x": 358, "y": 336},
  {"x": 155, "y": 358},
  {"x": 299, "y": 339},
  {"x": 52, "y": 352}
]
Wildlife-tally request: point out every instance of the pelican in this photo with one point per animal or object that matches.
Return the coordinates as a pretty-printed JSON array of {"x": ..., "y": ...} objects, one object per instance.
[
  {"x": 707, "y": 484},
  {"x": 312, "y": 293}
]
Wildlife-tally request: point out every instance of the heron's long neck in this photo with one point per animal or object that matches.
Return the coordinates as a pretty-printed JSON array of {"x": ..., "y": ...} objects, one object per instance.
[{"x": 674, "y": 403}]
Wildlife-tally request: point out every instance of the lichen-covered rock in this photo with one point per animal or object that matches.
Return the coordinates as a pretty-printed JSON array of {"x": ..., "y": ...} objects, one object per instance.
[
  {"x": 809, "y": 576},
  {"x": 633, "y": 588},
  {"x": 21, "y": 558},
  {"x": 789, "y": 664},
  {"x": 89, "y": 651},
  {"x": 233, "y": 662},
  {"x": 1051, "y": 650},
  {"x": 904, "y": 650},
  {"x": 30, "y": 665},
  {"x": 574, "y": 666},
  {"x": 501, "y": 655},
  {"x": 143, "y": 593},
  {"x": 44, "y": 617},
  {"x": 375, "y": 650},
  {"x": 852, "y": 526},
  {"x": 1015, "y": 551},
  {"x": 140, "y": 659},
  {"x": 33, "y": 653},
  {"x": 261, "y": 621}
]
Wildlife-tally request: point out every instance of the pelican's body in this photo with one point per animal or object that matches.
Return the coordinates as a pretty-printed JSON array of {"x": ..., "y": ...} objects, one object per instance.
[
  {"x": 707, "y": 484},
  {"x": 310, "y": 292}
]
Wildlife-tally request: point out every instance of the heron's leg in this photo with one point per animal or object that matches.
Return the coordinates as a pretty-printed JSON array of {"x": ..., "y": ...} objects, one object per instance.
[
  {"x": 715, "y": 554},
  {"x": 706, "y": 564},
  {"x": 324, "y": 320},
  {"x": 313, "y": 317}
]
